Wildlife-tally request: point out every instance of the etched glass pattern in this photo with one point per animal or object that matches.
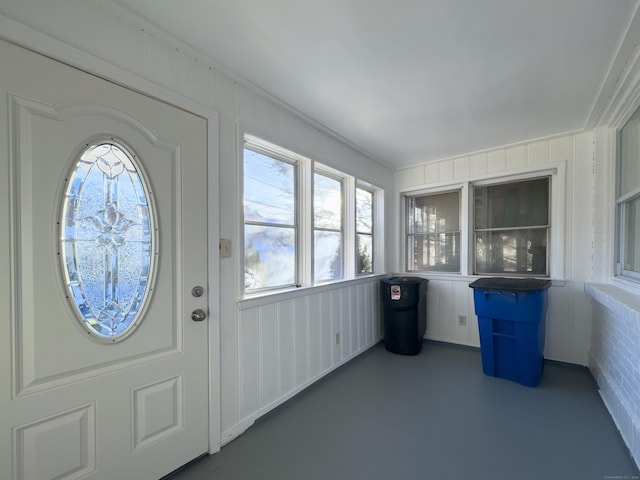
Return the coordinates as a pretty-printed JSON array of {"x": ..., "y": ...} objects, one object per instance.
[{"x": 107, "y": 240}]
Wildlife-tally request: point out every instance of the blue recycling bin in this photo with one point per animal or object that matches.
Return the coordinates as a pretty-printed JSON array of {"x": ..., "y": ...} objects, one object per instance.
[
  {"x": 512, "y": 321},
  {"x": 404, "y": 310}
]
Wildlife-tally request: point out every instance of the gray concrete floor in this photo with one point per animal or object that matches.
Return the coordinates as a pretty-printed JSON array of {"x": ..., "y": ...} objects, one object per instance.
[{"x": 430, "y": 416}]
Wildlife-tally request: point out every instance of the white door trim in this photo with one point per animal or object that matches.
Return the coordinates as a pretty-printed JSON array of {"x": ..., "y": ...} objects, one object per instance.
[{"x": 39, "y": 42}]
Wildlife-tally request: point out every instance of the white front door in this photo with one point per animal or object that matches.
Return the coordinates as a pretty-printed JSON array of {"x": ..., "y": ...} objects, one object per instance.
[{"x": 76, "y": 402}]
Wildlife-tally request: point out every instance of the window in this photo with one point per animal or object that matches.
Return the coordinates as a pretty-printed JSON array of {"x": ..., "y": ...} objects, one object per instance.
[
  {"x": 511, "y": 227},
  {"x": 304, "y": 223},
  {"x": 107, "y": 241},
  {"x": 364, "y": 231},
  {"x": 270, "y": 221},
  {"x": 327, "y": 228},
  {"x": 433, "y": 232},
  {"x": 628, "y": 198}
]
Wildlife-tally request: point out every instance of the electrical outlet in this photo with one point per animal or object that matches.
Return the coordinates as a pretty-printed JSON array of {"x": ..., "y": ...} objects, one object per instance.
[
  {"x": 338, "y": 338},
  {"x": 462, "y": 320}
]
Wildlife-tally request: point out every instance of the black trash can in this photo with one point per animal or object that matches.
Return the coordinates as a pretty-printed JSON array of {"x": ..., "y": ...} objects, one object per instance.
[
  {"x": 404, "y": 309},
  {"x": 511, "y": 322}
]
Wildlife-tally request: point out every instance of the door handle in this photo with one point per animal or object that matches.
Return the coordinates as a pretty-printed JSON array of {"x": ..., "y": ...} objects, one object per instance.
[{"x": 198, "y": 315}]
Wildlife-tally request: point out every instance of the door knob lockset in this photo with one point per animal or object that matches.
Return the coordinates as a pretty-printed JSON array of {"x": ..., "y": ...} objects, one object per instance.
[{"x": 198, "y": 315}]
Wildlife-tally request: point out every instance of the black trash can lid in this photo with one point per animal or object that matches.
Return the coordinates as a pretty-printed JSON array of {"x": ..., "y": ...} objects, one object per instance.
[
  {"x": 409, "y": 280},
  {"x": 511, "y": 284}
]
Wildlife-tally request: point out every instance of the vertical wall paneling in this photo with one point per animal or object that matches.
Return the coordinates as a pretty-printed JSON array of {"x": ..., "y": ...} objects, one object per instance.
[
  {"x": 479, "y": 164},
  {"x": 497, "y": 161},
  {"x": 347, "y": 330},
  {"x": 285, "y": 345},
  {"x": 362, "y": 329},
  {"x": 447, "y": 312},
  {"x": 538, "y": 153},
  {"x": 336, "y": 336},
  {"x": 411, "y": 176},
  {"x": 568, "y": 324},
  {"x": 230, "y": 373},
  {"x": 325, "y": 320},
  {"x": 516, "y": 157},
  {"x": 285, "y": 348},
  {"x": 432, "y": 172},
  {"x": 352, "y": 320},
  {"x": 433, "y": 310},
  {"x": 269, "y": 348},
  {"x": 446, "y": 170},
  {"x": 301, "y": 341},
  {"x": 462, "y": 167},
  {"x": 249, "y": 362},
  {"x": 315, "y": 335}
]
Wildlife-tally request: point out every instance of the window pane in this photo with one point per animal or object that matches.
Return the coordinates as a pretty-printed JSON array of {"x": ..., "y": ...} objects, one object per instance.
[
  {"x": 327, "y": 255},
  {"x": 629, "y": 168},
  {"x": 508, "y": 205},
  {"x": 269, "y": 189},
  {"x": 512, "y": 251},
  {"x": 364, "y": 211},
  {"x": 327, "y": 202},
  {"x": 632, "y": 247},
  {"x": 269, "y": 256},
  {"x": 439, "y": 252},
  {"x": 107, "y": 240},
  {"x": 365, "y": 254},
  {"x": 433, "y": 232},
  {"x": 434, "y": 213}
]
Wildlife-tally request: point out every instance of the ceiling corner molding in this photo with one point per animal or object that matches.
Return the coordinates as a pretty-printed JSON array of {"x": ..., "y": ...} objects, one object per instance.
[{"x": 619, "y": 93}]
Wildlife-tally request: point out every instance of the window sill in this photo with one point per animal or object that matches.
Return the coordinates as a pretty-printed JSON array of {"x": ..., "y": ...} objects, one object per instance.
[
  {"x": 457, "y": 277},
  {"x": 621, "y": 302},
  {"x": 256, "y": 300}
]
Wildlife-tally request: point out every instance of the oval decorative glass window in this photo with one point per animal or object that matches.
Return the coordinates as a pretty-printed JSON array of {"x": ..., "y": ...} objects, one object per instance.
[{"x": 107, "y": 241}]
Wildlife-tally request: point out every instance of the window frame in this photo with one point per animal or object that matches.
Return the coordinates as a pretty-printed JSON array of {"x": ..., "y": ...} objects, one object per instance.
[
  {"x": 269, "y": 150},
  {"x": 556, "y": 255},
  {"x": 408, "y": 234},
  {"x": 474, "y": 230},
  {"x": 372, "y": 234},
  {"x": 622, "y": 204},
  {"x": 331, "y": 174},
  {"x": 306, "y": 168}
]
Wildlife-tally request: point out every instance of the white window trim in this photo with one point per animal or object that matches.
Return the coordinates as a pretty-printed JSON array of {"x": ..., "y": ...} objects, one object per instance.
[
  {"x": 629, "y": 277},
  {"x": 354, "y": 251},
  {"x": 622, "y": 99},
  {"x": 464, "y": 239},
  {"x": 347, "y": 185},
  {"x": 306, "y": 168},
  {"x": 556, "y": 251},
  {"x": 254, "y": 143}
]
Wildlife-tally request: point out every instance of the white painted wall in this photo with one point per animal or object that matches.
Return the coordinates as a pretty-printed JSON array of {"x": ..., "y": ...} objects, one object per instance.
[
  {"x": 569, "y": 314},
  {"x": 614, "y": 357},
  {"x": 273, "y": 347},
  {"x": 270, "y": 349}
]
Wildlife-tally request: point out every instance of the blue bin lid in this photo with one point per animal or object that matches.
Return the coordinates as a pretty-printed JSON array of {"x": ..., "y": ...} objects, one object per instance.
[{"x": 511, "y": 284}]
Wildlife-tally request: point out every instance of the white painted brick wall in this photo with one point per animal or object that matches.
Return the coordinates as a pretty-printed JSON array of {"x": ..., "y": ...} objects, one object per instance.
[{"x": 614, "y": 358}]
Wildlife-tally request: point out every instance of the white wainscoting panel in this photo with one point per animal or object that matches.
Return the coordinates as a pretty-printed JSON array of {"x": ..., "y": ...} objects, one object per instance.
[{"x": 284, "y": 343}]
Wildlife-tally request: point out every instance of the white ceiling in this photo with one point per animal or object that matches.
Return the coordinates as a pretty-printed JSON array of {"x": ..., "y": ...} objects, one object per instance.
[{"x": 412, "y": 81}]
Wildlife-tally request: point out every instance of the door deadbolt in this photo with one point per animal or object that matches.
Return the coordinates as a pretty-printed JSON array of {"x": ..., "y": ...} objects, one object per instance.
[
  {"x": 197, "y": 291},
  {"x": 198, "y": 315}
]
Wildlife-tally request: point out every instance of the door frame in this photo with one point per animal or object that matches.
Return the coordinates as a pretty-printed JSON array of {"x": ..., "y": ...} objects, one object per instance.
[{"x": 26, "y": 37}]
